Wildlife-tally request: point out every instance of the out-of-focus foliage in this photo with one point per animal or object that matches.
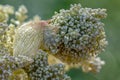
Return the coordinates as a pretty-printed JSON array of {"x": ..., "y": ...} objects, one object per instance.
[{"x": 46, "y": 8}]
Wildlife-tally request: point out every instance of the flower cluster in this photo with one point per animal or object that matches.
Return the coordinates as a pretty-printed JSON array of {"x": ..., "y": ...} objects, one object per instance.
[
  {"x": 41, "y": 70},
  {"x": 79, "y": 34},
  {"x": 43, "y": 49},
  {"x": 7, "y": 31},
  {"x": 9, "y": 64},
  {"x": 13, "y": 66},
  {"x": 93, "y": 65},
  {"x": 20, "y": 15},
  {"x": 5, "y": 11}
]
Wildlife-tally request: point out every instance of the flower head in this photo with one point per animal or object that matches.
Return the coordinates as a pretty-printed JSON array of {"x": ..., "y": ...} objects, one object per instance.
[
  {"x": 40, "y": 69},
  {"x": 9, "y": 64},
  {"x": 79, "y": 34}
]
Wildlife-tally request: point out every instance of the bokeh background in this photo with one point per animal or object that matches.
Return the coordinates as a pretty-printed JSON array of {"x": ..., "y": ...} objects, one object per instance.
[{"x": 46, "y": 8}]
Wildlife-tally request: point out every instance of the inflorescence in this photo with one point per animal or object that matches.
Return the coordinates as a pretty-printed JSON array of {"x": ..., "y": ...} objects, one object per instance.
[
  {"x": 45, "y": 49},
  {"x": 41, "y": 70},
  {"x": 79, "y": 34},
  {"x": 9, "y": 64}
]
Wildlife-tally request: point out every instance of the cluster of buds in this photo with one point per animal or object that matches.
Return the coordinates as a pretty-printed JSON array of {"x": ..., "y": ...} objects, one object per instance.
[
  {"x": 5, "y": 11},
  {"x": 10, "y": 64},
  {"x": 7, "y": 31},
  {"x": 41, "y": 70},
  {"x": 43, "y": 49},
  {"x": 77, "y": 35}
]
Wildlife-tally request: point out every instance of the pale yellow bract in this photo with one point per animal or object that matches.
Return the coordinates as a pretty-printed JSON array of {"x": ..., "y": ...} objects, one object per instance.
[{"x": 28, "y": 39}]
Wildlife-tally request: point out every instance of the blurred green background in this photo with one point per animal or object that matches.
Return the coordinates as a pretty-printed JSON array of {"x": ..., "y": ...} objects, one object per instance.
[{"x": 46, "y": 8}]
